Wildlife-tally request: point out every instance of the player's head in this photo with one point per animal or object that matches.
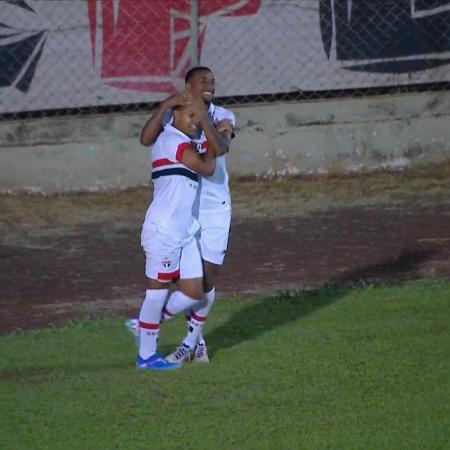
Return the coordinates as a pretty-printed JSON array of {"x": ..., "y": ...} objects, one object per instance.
[
  {"x": 185, "y": 120},
  {"x": 199, "y": 81}
]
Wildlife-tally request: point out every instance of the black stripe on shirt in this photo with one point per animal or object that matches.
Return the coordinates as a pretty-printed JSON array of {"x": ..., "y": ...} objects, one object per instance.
[{"x": 175, "y": 171}]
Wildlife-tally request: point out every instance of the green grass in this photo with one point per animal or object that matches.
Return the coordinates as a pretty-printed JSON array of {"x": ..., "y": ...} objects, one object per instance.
[{"x": 362, "y": 368}]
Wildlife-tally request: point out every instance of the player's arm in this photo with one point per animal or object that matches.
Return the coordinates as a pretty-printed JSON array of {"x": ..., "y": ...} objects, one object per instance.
[
  {"x": 154, "y": 125},
  {"x": 216, "y": 142},
  {"x": 226, "y": 130},
  {"x": 204, "y": 164}
]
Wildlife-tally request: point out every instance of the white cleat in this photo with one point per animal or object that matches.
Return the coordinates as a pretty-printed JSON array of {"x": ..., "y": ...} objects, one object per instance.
[
  {"x": 201, "y": 354},
  {"x": 133, "y": 326},
  {"x": 181, "y": 354}
]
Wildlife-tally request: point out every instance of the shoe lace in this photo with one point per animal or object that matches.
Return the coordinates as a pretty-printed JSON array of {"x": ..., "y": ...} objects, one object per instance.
[
  {"x": 181, "y": 352},
  {"x": 201, "y": 350}
]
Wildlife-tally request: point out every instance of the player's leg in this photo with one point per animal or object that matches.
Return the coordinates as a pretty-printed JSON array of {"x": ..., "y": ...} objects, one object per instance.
[
  {"x": 202, "y": 311},
  {"x": 178, "y": 302},
  {"x": 188, "y": 294},
  {"x": 186, "y": 297},
  {"x": 149, "y": 315},
  {"x": 189, "y": 284},
  {"x": 213, "y": 245},
  {"x": 162, "y": 265},
  {"x": 189, "y": 288}
]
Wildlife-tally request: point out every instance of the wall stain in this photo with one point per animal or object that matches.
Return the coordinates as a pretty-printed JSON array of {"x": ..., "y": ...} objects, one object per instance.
[
  {"x": 437, "y": 100},
  {"x": 293, "y": 120},
  {"x": 378, "y": 156},
  {"x": 414, "y": 151}
]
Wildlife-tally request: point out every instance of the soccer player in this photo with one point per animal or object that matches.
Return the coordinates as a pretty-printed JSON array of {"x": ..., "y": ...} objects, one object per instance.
[
  {"x": 169, "y": 228},
  {"x": 213, "y": 207}
]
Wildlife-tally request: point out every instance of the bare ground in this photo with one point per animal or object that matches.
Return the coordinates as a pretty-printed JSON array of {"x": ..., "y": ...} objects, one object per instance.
[{"x": 66, "y": 255}]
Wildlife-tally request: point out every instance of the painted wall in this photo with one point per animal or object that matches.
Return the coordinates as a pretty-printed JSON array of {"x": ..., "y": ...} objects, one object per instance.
[
  {"x": 96, "y": 152},
  {"x": 65, "y": 54}
]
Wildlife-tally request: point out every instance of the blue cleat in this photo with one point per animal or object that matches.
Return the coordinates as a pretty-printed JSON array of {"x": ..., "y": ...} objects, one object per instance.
[{"x": 156, "y": 362}]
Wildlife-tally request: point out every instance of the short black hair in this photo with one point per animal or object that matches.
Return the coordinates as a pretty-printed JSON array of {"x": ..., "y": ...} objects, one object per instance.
[{"x": 191, "y": 72}]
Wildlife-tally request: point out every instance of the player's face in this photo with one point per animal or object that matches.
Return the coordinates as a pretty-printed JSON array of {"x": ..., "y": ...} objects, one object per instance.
[
  {"x": 202, "y": 84},
  {"x": 186, "y": 121}
]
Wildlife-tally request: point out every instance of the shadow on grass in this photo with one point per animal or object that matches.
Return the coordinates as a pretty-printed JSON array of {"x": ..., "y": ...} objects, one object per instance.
[
  {"x": 264, "y": 315},
  {"x": 261, "y": 316}
]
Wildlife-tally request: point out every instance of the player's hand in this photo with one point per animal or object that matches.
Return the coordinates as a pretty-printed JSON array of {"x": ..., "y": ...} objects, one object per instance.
[
  {"x": 198, "y": 107},
  {"x": 224, "y": 125},
  {"x": 177, "y": 99}
]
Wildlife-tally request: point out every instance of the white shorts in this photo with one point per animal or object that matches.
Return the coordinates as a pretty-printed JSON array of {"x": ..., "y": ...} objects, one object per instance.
[
  {"x": 167, "y": 259},
  {"x": 213, "y": 235}
]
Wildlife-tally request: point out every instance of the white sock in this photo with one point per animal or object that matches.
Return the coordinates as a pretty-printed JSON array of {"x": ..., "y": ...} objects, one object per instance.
[
  {"x": 166, "y": 315},
  {"x": 179, "y": 302},
  {"x": 198, "y": 317},
  {"x": 149, "y": 317}
]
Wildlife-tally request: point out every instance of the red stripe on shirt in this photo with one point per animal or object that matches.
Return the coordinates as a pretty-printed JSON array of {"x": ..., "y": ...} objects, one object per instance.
[
  {"x": 148, "y": 326},
  {"x": 162, "y": 162},
  {"x": 169, "y": 275},
  {"x": 181, "y": 149}
]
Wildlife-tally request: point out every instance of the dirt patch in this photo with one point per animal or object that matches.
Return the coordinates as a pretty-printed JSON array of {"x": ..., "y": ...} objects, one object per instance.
[{"x": 66, "y": 255}]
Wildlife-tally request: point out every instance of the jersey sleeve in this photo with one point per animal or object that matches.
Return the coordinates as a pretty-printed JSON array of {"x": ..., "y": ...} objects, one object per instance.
[
  {"x": 170, "y": 148},
  {"x": 222, "y": 114},
  {"x": 181, "y": 148}
]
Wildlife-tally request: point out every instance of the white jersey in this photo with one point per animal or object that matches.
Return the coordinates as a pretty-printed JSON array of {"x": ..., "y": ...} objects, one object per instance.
[
  {"x": 175, "y": 188},
  {"x": 214, "y": 190}
]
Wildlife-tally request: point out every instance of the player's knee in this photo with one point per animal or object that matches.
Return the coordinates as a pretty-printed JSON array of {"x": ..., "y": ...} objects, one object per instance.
[
  {"x": 210, "y": 269},
  {"x": 193, "y": 288},
  {"x": 195, "y": 294},
  {"x": 208, "y": 283},
  {"x": 210, "y": 272}
]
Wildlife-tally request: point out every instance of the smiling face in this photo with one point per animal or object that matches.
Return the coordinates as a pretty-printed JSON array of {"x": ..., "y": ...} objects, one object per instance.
[
  {"x": 185, "y": 120},
  {"x": 201, "y": 84}
]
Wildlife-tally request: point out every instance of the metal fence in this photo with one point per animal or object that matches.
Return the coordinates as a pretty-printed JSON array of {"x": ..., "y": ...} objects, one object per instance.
[{"x": 76, "y": 56}]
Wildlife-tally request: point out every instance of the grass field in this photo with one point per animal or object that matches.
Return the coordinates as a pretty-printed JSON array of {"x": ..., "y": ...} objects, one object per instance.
[{"x": 361, "y": 368}]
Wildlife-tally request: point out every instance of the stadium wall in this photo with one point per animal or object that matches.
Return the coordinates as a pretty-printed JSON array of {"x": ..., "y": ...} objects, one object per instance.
[{"x": 102, "y": 151}]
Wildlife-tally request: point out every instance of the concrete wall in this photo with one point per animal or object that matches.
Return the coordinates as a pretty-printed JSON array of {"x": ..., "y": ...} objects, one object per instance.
[{"x": 329, "y": 136}]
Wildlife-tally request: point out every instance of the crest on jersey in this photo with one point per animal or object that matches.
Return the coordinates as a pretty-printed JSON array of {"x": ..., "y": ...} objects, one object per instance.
[{"x": 166, "y": 262}]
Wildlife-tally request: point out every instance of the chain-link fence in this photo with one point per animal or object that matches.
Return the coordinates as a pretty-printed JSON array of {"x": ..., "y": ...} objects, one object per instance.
[{"x": 74, "y": 56}]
